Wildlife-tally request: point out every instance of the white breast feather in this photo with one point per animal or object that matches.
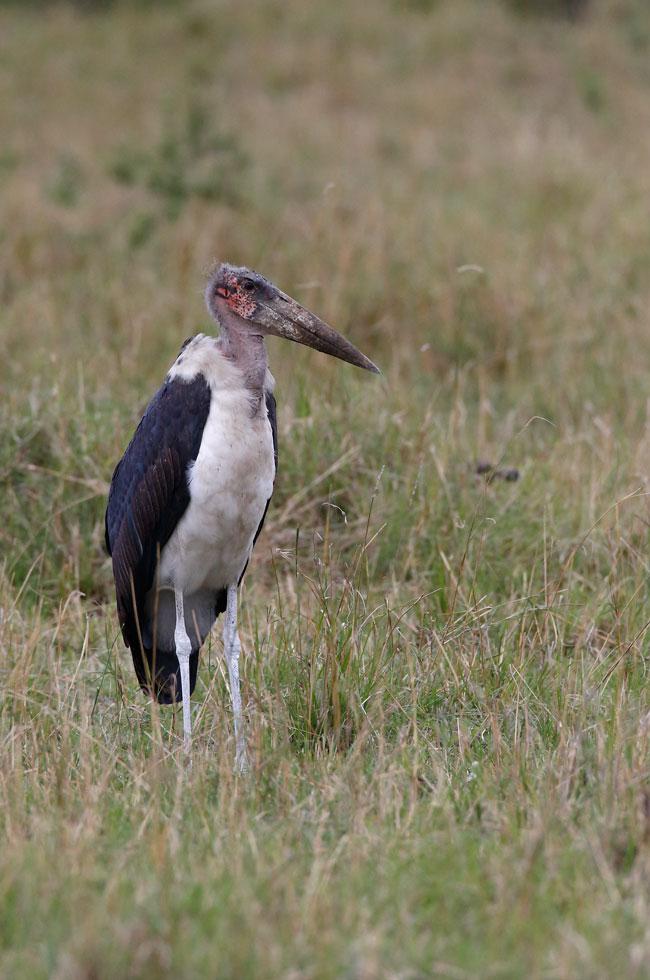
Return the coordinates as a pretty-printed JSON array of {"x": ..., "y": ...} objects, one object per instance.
[{"x": 230, "y": 481}]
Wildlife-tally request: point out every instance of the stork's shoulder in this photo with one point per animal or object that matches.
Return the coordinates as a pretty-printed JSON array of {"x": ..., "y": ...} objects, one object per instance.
[{"x": 202, "y": 354}]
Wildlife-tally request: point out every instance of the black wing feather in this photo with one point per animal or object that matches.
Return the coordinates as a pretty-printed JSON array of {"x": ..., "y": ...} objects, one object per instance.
[
  {"x": 271, "y": 410},
  {"x": 148, "y": 496},
  {"x": 269, "y": 399},
  {"x": 273, "y": 422}
]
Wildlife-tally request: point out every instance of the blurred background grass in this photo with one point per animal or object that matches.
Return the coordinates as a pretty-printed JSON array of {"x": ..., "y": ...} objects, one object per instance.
[{"x": 445, "y": 678}]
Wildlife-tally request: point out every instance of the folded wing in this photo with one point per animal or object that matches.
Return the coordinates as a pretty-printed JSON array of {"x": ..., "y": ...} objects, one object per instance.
[{"x": 148, "y": 496}]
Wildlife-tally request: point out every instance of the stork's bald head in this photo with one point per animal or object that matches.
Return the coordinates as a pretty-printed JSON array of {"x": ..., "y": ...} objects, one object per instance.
[
  {"x": 240, "y": 289},
  {"x": 262, "y": 307}
]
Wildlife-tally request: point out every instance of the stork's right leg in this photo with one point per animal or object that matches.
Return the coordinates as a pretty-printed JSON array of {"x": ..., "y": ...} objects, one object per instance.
[
  {"x": 183, "y": 651},
  {"x": 232, "y": 649}
]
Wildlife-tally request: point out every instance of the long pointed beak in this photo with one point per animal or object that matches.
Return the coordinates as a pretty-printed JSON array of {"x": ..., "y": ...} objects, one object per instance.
[{"x": 283, "y": 317}]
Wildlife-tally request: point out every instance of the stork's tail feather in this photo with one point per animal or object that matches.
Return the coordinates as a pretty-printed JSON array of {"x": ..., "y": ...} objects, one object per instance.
[{"x": 160, "y": 676}]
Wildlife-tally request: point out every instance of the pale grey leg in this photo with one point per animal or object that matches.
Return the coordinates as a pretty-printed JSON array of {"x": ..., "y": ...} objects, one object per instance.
[
  {"x": 232, "y": 649},
  {"x": 183, "y": 651}
]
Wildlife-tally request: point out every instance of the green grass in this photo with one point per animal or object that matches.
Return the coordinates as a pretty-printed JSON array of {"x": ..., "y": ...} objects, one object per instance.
[{"x": 445, "y": 679}]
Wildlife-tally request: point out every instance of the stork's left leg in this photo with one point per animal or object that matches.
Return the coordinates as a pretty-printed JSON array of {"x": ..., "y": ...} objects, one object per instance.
[
  {"x": 232, "y": 648},
  {"x": 183, "y": 651}
]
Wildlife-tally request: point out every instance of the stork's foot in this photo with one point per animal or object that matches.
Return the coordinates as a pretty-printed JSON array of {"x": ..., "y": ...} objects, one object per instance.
[
  {"x": 242, "y": 762},
  {"x": 242, "y": 765}
]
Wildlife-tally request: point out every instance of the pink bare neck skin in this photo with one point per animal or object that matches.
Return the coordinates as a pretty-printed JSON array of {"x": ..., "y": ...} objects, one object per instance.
[{"x": 244, "y": 346}]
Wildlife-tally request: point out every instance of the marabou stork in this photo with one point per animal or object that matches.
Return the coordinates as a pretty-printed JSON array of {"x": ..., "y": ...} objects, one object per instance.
[{"x": 188, "y": 498}]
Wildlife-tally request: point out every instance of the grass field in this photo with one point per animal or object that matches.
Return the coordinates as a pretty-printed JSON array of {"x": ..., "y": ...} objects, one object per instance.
[{"x": 445, "y": 678}]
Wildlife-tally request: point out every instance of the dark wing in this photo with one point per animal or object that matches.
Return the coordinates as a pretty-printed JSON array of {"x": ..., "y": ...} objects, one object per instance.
[
  {"x": 273, "y": 420},
  {"x": 269, "y": 398},
  {"x": 148, "y": 497}
]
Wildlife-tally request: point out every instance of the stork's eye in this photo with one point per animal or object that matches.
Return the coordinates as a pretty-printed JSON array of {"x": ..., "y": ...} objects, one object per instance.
[{"x": 248, "y": 285}]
